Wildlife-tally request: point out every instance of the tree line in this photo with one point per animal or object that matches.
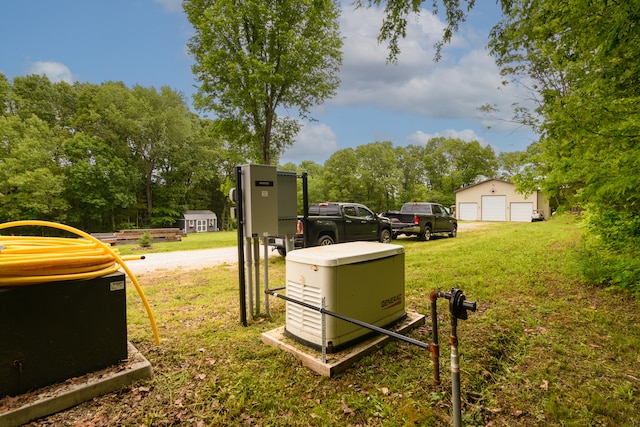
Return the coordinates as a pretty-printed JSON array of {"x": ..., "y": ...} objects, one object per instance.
[
  {"x": 105, "y": 157},
  {"x": 383, "y": 176}
]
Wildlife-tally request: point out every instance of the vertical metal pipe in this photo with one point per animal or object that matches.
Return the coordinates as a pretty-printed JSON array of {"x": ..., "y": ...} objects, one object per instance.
[
  {"x": 241, "y": 276},
  {"x": 265, "y": 241},
  {"x": 256, "y": 262},
  {"x": 435, "y": 348},
  {"x": 249, "y": 249},
  {"x": 324, "y": 331},
  {"x": 305, "y": 208},
  {"x": 455, "y": 374}
]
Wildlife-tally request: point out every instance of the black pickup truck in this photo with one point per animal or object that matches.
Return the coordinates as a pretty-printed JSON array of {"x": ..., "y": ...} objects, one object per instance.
[
  {"x": 422, "y": 219},
  {"x": 329, "y": 223}
]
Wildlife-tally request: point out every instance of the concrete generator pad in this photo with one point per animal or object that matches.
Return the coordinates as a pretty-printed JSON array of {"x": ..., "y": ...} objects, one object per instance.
[
  {"x": 15, "y": 411},
  {"x": 339, "y": 361}
]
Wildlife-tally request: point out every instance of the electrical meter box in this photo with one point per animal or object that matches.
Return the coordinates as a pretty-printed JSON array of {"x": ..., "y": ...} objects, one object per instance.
[
  {"x": 360, "y": 280},
  {"x": 54, "y": 331},
  {"x": 260, "y": 200},
  {"x": 287, "y": 202}
]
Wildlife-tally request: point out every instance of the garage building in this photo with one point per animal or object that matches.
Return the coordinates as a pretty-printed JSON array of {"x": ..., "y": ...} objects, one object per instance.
[{"x": 497, "y": 200}]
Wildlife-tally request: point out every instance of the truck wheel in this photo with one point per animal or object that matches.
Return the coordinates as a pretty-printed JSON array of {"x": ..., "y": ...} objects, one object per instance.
[
  {"x": 282, "y": 251},
  {"x": 385, "y": 236},
  {"x": 325, "y": 241},
  {"x": 426, "y": 234},
  {"x": 453, "y": 232}
]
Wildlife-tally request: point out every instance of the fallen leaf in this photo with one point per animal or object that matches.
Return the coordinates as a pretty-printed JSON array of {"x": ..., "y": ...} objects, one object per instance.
[
  {"x": 544, "y": 385},
  {"x": 346, "y": 410}
]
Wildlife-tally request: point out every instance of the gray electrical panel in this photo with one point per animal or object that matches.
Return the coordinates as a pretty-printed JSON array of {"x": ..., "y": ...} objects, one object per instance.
[
  {"x": 260, "y": 200},
  {"x": 287, "y": 202}
]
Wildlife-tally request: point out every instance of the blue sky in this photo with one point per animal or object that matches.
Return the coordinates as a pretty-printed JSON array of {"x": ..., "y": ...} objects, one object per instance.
[{"x": 144, "y": 42}]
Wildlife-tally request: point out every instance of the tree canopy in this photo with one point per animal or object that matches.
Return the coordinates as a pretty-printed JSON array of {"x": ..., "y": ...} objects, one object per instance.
[
  {"x": 397, "y": 12},
  {"x": 107, "y": 157},
  {"x": 583, "y": 58},
  {"x": 102, "y": 157},
  {"x": 254, "y": 57}
]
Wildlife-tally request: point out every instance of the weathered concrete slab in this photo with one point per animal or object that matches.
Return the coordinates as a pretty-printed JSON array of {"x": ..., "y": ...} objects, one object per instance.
[
  {"x": 18, "y": 410},
  {"x": 339, "y": 361}
]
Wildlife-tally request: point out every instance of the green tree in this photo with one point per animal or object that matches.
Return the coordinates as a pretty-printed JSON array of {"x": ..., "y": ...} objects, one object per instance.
[
  {"x": 31, "y": 180},
  {"x": 412, "y": 174},
  {"x": 316, "y": 186},
  {"x": 379, "y": 174},
  {"x": 151, "y": 132},
  {"x": 583, "y": 58},
  {"x": 341, "y": 178},
  {"x": 511, "y": 164},
  {"x": 254, "y": 57},
  {"x": 394, "y": 24},
  {"x": 5, "y": 95},
  {"x": 451, "y": 163},
  {"x": 159, "y": 138},
  {"x": 97, "y": 183},
  {"x": 212, "y": 171}
]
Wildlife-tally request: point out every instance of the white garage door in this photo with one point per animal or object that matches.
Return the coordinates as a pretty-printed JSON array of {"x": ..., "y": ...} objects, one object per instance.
[
  {"x": 521, "y": 212},
  {"x": 494, "y": 208},
  {"x": 468, "y": 211}
]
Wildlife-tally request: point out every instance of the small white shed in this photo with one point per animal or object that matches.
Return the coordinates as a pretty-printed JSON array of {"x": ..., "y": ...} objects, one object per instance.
[
  {"x": 497, "y": 200},
  {"x": 198, "y": 221}
]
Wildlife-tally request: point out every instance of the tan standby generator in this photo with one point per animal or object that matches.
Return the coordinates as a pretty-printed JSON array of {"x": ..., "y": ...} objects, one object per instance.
[{"x": 359, "y": 280}]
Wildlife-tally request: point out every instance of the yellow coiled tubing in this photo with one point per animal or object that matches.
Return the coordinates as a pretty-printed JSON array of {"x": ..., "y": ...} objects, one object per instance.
[{"x": 26, "y": 260}]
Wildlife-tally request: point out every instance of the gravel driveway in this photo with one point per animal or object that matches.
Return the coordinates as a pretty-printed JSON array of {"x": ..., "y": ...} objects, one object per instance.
[
  {"x": 203, "y": 258},
  {"x": 187, "y": 260}
]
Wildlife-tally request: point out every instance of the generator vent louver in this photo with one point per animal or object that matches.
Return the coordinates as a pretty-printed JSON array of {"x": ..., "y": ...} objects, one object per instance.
[
  {"x": 309, "y": 320},
  {"x": 360, "y": 280}
]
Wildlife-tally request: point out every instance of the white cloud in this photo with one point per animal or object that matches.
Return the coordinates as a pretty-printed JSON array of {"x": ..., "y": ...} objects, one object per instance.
[
  {"x": 313, "y": 141},
  {"x": 453, "y": 88},
  {"x": 170, "y": 5},
  {"x": 467, "y": 135},
  {"x": 55, "y": 71}
]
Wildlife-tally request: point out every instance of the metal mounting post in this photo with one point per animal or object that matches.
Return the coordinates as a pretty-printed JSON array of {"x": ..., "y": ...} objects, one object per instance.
[{"x": 458, "y": 308}]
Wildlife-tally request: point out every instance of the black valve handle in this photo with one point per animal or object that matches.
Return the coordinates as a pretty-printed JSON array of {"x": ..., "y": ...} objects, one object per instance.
[{"x": 458, "y": 304}]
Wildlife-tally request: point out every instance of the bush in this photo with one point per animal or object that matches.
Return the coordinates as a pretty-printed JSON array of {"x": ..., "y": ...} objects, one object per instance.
[
  {"x": 609, "y": 248},
  {"x": 146, "y": 240}
]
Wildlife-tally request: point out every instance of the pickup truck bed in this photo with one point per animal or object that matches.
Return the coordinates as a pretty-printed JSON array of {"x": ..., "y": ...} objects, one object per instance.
[{"x": 422, "y": 219}]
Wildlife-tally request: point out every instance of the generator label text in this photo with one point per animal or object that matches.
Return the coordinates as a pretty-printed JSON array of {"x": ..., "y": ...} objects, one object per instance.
[{"x": 390, "y": 302}]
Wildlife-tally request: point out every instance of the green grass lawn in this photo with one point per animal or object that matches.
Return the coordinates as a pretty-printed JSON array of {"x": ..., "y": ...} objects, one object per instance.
[
  {"x": 542, "y": 348},
  {"x": 194, "y": 241}
]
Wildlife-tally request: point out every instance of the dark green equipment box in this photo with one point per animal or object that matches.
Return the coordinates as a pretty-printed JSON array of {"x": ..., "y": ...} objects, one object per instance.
[{"x": 59, "y": 330}]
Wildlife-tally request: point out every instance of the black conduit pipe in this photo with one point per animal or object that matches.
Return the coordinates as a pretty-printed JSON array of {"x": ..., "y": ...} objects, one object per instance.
[{"x": 241, "y": 275}]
